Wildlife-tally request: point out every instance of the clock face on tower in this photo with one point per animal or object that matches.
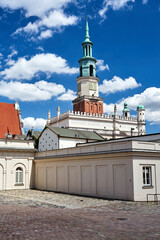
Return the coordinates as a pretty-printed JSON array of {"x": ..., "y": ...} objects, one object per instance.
[{"x": 92, "y": 86}]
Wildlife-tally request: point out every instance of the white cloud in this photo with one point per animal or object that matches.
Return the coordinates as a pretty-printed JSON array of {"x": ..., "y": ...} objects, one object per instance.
[
  {"x": 109, "y": 108},
  {"x": 46, "y": 63},
  {"x": 38, "y": 123},
  {"x": 13, "y": 53},
  {"x": 30, "y": 28},
  {"x": 40, "y": 48},
  {"x": 57, "y": 18},
  {"x": 38, "y": 91},
  {"x": 46, "y": 34},
  {"x": 68, "y": 96},
  {"x": 54, "y": 20},
  {"x": 113, "y": 4},
  {"x": 150, "y": 98},
  {"x": 117, "y": 84},
  {"x": 9, "y": 61},
  {"x": 144, "y": 1},
  {"x": 34, "y": 7},
  {"x": 1, "y": 55},
  {"x": 101, "y": 66}
]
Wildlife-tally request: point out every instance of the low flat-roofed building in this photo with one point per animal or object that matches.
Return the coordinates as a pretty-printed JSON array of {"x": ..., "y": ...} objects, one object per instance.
[{"x": 126, "y": 169}]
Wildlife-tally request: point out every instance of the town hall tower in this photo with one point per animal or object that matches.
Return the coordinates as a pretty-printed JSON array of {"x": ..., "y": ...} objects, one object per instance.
[{"x": 88, "y": 99}]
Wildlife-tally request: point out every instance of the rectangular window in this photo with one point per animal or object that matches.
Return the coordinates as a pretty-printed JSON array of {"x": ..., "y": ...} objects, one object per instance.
[{"x": 147, "y": 177}]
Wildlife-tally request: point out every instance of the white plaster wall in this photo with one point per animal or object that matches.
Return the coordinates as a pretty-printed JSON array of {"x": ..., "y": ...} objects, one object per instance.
[
  {"x": 62, "y": 123},
  {"x": 101, "y": 176},
  {"x": 69, "y": 142},
  {"x": 9, "y": 143},
  {"x": 93, "y": 123},
  {"x": 79, "y": 121},
  {"x": 48, "y": 140},
  {"x": 127, "y": 127},
  {"x": 90, "y": 124},
  {"x": 140, "y": 192}
]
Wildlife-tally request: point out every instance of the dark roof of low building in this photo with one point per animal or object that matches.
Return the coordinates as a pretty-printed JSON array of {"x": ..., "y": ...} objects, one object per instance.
[
  {"x": 78, "y": 134},
  {"x": 20, "y": 137},
  {"x": 36, "y": 134},
  {"x": 9, "y": 120}
]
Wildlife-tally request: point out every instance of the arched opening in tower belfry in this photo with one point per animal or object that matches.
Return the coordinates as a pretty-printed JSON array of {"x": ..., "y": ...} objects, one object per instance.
[
  {"x": 91, "y": 70},
  {"x": 81, "y": 71}
]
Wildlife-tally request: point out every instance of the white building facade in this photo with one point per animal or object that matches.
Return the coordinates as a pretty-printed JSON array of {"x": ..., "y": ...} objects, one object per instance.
[
  {"x": 16, "y": 164},
  {"x": 108, "y": 126}
]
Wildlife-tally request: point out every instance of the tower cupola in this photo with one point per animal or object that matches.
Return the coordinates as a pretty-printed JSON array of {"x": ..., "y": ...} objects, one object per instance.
[
  {"x": 87, "y": 62},
  {"x": 126, "y": 111},
  {"x": 141, "y": 119}
]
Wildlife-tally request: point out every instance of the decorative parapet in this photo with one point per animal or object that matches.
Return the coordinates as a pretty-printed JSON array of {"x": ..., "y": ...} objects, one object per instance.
[{"x": 84, "y": 114}]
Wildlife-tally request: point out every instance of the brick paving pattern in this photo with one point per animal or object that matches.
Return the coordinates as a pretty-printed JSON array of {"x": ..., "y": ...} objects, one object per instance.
[{"x": 31, "y": 214}]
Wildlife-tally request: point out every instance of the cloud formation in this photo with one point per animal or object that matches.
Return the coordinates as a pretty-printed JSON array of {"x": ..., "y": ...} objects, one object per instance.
[
  {"x": 46, "y": 34},
  {"x": 54, "y": 20},
  {"x": 34, "y": 7},
  {"x": 38, "y": 91},
  {"x": 68, "y": 96},
  {"x": 117, "y": 84},
  {"x": 150, "y": 98},
  {"x": 114, "y": 5},
  {"x": 144, "y": 1},
  {"x": 38, "y": 123},
  {"x": 46, "y": 63},
  {"x": 101, "y": 66}
]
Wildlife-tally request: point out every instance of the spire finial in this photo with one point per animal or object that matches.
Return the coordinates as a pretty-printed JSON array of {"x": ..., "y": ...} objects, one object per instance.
[
  {"x": 87, "y": 31},
  {"x": 49, "y": 115}
]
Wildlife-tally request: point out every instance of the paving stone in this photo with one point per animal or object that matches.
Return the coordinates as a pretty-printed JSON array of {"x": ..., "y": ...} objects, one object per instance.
[{"x": 31, "y": 214}]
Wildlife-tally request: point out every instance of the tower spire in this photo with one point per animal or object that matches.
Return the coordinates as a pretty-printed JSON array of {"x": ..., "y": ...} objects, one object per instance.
[{"x": 87, "y": 37}]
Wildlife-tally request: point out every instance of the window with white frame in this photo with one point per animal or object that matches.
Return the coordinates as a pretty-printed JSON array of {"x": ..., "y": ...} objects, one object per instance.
[
  {"x": 19, "y": 176},
  {"x": 147, "y": 176}
]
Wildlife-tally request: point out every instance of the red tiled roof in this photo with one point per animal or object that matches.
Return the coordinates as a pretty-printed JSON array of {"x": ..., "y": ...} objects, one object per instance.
[{"x": 9, "y": 120}]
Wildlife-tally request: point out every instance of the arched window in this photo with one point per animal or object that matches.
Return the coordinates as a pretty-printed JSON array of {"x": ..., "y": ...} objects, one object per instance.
[
  {"x": 91, "y": 107},
  {"x": 99, "y": 108},
  {"x": 91, "y": 70},
  {"x": 81, "y": 71},
  {"x": 19, "y": 176}
]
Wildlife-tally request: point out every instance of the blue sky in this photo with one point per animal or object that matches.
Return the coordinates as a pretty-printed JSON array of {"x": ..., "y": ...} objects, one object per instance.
[{"x": 40, "y": 45}]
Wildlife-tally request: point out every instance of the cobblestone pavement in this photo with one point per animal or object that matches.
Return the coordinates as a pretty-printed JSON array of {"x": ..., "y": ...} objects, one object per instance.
[{"x": 31, "y": 214}]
